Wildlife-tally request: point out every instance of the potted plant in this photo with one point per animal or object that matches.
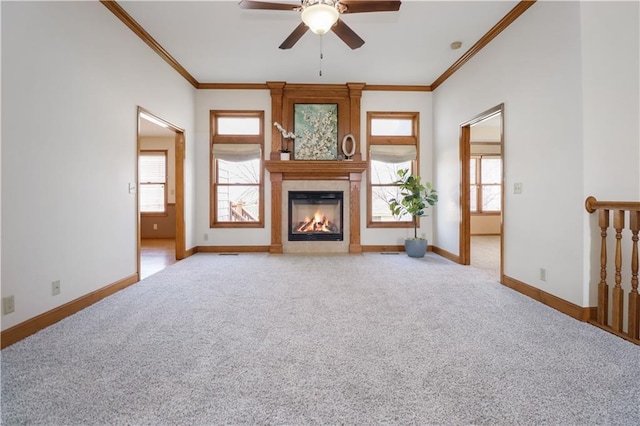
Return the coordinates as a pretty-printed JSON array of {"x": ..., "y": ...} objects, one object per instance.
[
  {"x": 285, "y": 154},
  {"x": 415, "y": 199}
]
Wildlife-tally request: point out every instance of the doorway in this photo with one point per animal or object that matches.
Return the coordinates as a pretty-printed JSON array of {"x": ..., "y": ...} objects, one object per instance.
[
  {"x": 482, "y": 191},
  {"x": 160, "y": 207}
]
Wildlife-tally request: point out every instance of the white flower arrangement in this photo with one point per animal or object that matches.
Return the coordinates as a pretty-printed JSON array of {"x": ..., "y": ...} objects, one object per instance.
[{"x": 285, "y": 135}]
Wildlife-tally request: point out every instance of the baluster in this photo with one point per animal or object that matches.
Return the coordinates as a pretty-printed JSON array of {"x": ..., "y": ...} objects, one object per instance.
[
  {"x": 603, "y": 288},
  {"x": 634, "y": 298},
  {"x": 618, "y": 293}
]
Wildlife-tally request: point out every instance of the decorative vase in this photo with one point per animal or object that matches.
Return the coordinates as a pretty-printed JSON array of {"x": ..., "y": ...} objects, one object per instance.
[
  {"x": 415, "y": 248},
  {"x": 285, "y": 156},
  {"x": 348, "y": 153}
]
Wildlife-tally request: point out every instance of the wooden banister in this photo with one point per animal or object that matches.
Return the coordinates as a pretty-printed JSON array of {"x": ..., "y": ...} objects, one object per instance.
[
  {"x": 591, "y": 205},
  {"x": 619, "y": 209}
]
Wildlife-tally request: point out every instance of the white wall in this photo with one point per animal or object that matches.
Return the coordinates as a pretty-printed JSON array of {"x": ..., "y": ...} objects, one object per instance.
[
  {"x": 73, "y": 76},
  {"x": 536, "y": 68},
  {"x": 404, "y": 102},
  {"x": 207, "y": 100},
  {"x": 611, "y": 128}
]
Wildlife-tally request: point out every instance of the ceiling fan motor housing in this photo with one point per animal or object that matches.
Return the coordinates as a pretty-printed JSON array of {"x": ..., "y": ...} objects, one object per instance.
[{"x": 319, "y": 15}]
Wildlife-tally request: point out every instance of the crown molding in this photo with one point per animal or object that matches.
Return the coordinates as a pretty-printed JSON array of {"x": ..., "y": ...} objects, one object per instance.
[
  {"x": 508, "y": 19},
  {"x": 397, "y": 88},
  {"x": 233, "y": 86},
  {"x": 121, "y": 14}
]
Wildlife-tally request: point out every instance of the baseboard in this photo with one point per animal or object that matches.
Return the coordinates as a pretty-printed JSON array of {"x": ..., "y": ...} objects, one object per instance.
[
  {"x": 568, "y": 308},
  {"x": 447, "y": 255},
  {"x": 44, "y": 320},
  {"x": 382, "y": 249},
  {"x": 233, "y": 249},
  {"x": 612, "y": 331},
  {"x": 157, "y": 237},
  {"x": 190, "y": 252}
]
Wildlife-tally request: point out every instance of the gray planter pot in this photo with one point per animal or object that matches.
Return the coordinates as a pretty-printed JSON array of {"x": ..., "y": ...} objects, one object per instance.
[{"x": 415, "y": 248}]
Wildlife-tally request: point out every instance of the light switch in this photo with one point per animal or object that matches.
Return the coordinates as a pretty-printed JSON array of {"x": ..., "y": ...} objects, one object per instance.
[{"x": 132, "y": 188}]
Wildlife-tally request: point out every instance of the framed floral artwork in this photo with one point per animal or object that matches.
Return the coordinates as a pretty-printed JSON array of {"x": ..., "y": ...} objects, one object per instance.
[{"x": 316, "y": 130}]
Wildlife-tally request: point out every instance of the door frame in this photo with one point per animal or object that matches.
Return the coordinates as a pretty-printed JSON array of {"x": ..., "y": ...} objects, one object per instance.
[
  {"x": 465, "y": 191},
  {"x": 180, "y": 240}
]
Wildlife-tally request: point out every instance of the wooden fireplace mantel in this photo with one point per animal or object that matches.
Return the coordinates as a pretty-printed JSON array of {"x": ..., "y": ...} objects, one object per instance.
[
  {"x": 315, "y": 170},
  {"x": 301, "y": 170}
]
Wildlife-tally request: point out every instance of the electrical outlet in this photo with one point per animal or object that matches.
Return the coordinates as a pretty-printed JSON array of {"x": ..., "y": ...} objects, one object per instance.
[
  {"x": 206, "y": 237},
  {"x": 517, "y": 188},
  {"x": 155, "y": 226},
  {"x": 8, "y": 305},
  {"x": 55, "y": 288},
  {"x": 543, "y": 274}
]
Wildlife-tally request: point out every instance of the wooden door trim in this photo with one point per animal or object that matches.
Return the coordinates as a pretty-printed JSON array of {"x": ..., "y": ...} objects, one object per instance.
[
  {"x": 180, "y": 145},
  {"x": 465, "y": 192}
]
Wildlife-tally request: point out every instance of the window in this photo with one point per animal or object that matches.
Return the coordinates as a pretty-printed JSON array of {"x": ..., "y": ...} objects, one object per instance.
[
  {"x": 393, "y": 145},
  {"x": 485, "y": 172},
  {"x": 237, "y": 169},
  {"x": 152, "y": 171}
]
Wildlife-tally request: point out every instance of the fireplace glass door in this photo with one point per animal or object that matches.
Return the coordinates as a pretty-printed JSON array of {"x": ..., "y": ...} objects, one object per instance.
[{"x": 315, "y": 216}]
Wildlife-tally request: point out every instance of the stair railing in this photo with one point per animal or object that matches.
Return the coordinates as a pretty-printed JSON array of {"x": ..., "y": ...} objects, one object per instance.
[{"x": 620, "y": 209}]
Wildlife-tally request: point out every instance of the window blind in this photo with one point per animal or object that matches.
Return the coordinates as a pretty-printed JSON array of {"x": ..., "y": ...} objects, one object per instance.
[
  {"x": 152, "y": 173},
  {"x": 153, "y": 167},
  {"x": 393, "y": 153},
  {"x": 236, "y": 152}
]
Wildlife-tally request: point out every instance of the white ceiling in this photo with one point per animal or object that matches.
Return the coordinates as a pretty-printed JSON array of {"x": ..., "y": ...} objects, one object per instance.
[{"x": 218, "y": 42}]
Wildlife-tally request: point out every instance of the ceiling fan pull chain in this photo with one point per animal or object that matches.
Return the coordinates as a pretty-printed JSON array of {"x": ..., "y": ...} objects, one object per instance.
[{"x": 321, "y": 55}]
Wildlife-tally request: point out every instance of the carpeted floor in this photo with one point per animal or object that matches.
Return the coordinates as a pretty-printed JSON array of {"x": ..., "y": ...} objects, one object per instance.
[{"x": 298, "y": 340}]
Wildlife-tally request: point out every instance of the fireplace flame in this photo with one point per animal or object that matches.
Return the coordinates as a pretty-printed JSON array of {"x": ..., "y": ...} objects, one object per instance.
[{"x": 319, "y": 223}]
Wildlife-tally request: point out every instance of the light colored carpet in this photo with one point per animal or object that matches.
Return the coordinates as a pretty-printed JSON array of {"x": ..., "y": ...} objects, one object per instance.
[{"x": 297, "y": 340}]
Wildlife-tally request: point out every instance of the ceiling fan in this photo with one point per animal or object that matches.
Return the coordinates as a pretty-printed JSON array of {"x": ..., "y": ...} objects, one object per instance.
[{"x": 323, "y": 15}]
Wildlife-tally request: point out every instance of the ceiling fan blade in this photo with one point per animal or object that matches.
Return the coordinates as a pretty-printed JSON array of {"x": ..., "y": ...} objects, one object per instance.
[
  {"x": 359, "y": 6},
  {"x": 347, "y": 35},
  {"x": 263, "y": 5},
  {"x": 293, "y": 38}
]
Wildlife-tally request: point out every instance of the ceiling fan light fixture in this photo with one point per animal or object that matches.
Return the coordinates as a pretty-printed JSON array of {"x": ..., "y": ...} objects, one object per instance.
[{"x": 320, "y": 16}]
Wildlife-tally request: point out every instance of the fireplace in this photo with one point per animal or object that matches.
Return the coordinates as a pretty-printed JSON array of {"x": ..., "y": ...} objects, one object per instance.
[{"x": 315, "y": 216}]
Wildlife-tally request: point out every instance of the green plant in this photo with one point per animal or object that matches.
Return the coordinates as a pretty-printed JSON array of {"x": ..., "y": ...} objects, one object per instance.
[{"x": 415, "y": 198}]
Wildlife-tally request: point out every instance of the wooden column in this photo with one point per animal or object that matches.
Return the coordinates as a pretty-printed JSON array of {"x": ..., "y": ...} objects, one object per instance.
[
  {"x": 633, "y": 325},
  {"x": 276, "y": 213},
  {"x": 354, "y": 213},
  {"x": 277, "y": 92},
  {"x": 618, "y": 293},
  {"x": 181, "y": 251},
  {"x": 603, "y": 288},
  {"x": 355, "y": 96}
]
